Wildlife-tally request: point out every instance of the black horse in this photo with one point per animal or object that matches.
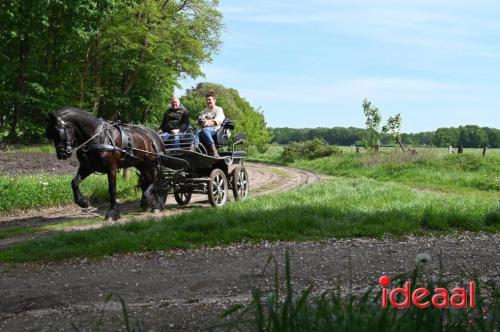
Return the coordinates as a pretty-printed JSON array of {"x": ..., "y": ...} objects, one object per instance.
[{"x": 104, "y": 148}]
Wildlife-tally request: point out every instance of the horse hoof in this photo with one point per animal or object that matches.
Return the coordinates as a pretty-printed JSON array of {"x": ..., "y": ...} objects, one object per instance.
[
  {"x": 156, "y": 211},
  {"x": 112, "y": 215},
  {"x": 83, "y": 203}
]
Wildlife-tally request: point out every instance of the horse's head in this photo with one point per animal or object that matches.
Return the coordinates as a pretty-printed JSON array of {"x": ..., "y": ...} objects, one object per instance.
[{"x": 62, "y": 133}]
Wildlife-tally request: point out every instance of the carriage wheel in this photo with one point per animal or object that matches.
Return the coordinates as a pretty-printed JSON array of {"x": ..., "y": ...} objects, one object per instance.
[
  {"x": 240, "y": 183},
  {"x": 182, "y": 198},
  {"x": 217, "y": 188}
]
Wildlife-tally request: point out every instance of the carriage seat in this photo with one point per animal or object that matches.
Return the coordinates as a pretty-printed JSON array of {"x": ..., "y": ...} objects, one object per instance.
[{"x": 223, "y": 134}]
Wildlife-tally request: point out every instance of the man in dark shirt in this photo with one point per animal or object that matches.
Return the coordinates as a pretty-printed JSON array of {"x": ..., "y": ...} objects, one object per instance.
[{"x": 175, "y": 121}]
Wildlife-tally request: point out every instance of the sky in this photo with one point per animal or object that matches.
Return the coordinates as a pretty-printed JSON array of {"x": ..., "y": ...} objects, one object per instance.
[{"x": 311, "y": 63}]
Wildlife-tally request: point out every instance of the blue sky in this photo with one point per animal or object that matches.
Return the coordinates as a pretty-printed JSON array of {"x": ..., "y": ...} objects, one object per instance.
[{"x": 311, "y": 63}]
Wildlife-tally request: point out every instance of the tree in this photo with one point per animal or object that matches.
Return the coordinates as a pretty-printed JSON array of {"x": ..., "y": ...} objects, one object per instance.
[
  {"x": 445, "y": 137},
  {"x": 120, "y": 59},
  {"x": 472, "y": 136},
  {"x": 374, "y": 133},
  {"x": 393, "y": 127},
  {"x": 44, "y": 41},
  {"x": 373, "y": 119},
  {"x": 493, "y": 137},
  {"x": 247, "y": 119},
  {"x": 145, "y": 49}
]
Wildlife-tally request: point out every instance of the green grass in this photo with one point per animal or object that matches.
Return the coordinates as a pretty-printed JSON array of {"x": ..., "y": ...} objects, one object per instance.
[
  {"x": 272, "y": 155},
  {"x": 459, "y": 173},
  {"x": 429, "y": 168},
  {"x": 7, "y": 232},
  {"x": 35, "y": 191},
  {"x": 44, "y": 148},
  {"x": 340, "y": 208}
]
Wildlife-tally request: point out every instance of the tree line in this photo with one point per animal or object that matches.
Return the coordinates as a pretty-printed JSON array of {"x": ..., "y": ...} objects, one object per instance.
[
  {"x": 469, "y": 136},
  {"x": 119, "y": 59}
]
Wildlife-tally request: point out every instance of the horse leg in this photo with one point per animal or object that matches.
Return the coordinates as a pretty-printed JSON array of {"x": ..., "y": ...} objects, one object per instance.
[
  {"x": 160, "y": 198},
  {"x": 82, "y": 173},
  {"x": 150, "y": 195},
  {"x": 113, "y": 212},
  {"x": 146, "y": 187}
]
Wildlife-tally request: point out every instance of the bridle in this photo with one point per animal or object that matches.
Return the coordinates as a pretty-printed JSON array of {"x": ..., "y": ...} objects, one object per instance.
[{"x": 62, "y": 126}]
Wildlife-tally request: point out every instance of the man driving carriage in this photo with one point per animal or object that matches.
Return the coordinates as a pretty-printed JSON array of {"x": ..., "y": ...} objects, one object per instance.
[
  {"x": 175, "y": 121},
  {"x": 210, "y": 121}
]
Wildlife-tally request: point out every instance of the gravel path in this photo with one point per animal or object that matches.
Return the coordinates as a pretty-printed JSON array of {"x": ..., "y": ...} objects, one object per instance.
[{"x": 186, "y": 290}]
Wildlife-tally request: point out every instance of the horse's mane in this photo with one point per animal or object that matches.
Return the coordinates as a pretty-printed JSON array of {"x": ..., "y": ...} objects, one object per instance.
[{"x": 65, "y": 111}]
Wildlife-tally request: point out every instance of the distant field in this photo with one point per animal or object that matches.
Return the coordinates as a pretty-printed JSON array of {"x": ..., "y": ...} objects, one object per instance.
[
  {"x": 431, "y": 168},
  {"x": 274, "y": 151}
]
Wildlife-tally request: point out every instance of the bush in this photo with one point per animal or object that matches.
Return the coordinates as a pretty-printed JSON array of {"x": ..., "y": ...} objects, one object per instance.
[{"x": 312, "y": 149}]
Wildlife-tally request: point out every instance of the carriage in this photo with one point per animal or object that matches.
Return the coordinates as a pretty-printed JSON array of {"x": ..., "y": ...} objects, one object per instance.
[
  {"x": 164, "y": 167},
  {"x": 188, "y": 170}
]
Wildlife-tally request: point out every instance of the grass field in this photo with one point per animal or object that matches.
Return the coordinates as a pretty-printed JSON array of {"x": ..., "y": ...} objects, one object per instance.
[
  {"x": 35, "y": 191},
  {"x": 335, "y": 208},
  {"x": 430, "y": 168},
  {"x": 372, "y": 195}
]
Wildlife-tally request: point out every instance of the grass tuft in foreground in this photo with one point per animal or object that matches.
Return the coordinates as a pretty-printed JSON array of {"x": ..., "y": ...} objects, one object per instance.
[
  {"x": 283, "y": 309},
  {"x": 335, "y": 208},
  {"x": 294, "y": 311}
]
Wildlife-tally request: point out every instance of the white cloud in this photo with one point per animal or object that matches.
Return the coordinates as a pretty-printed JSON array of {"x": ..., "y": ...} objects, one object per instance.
[{"x": 444, "y": 25}]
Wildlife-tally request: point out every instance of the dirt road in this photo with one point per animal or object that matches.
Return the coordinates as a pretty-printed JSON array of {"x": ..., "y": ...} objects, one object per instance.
[{"x": 187, "y": 290}]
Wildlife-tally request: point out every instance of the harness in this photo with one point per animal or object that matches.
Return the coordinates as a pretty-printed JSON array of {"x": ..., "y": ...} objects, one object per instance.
[
  {"x": 126, "y": 147},
  {"x": 104, "y": 130}
]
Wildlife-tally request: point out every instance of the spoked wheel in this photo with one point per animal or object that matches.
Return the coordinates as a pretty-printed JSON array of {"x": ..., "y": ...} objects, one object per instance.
[
  {"x": 182, "y": 198},
  {"x": 240, "y": 183},
  {"x": 217, "y": 188}
]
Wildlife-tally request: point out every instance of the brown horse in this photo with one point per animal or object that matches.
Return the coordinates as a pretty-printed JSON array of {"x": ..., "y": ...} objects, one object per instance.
[{"x": 104, "y": 148}]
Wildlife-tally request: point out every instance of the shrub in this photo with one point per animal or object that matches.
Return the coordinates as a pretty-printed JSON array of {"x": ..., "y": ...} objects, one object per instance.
[{"x": 312, "y": 149}]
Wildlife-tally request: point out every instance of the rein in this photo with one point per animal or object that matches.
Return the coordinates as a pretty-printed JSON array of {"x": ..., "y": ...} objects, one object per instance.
[{"x": 101, "y": 127}]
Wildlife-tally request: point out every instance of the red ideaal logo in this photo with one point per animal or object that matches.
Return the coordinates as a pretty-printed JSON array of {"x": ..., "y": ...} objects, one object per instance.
[{"x": 440, "y": 299}]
